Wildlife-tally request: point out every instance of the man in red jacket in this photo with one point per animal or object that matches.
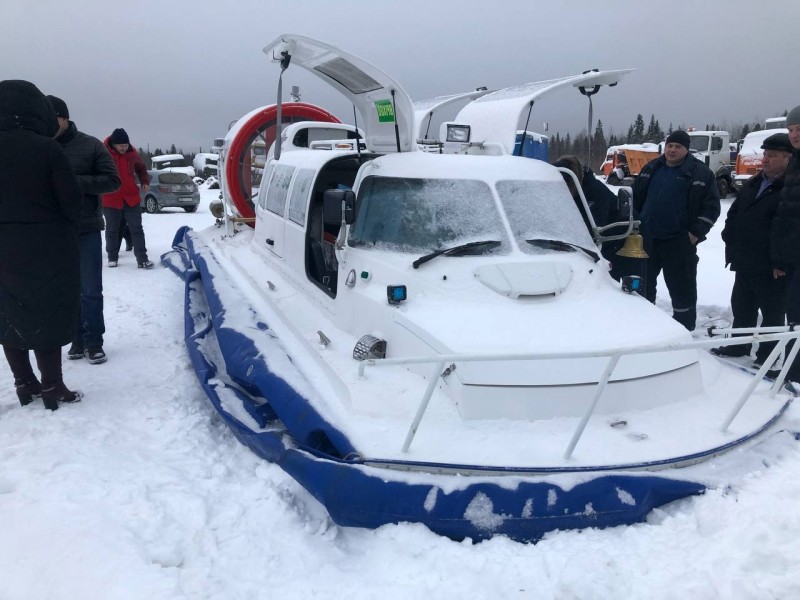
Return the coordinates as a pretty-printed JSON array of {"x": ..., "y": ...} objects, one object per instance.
[{"x": 125, "y": 201}]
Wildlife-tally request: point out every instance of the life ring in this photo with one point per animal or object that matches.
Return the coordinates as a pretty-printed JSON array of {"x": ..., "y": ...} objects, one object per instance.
[{"x": 261, "y": 122}]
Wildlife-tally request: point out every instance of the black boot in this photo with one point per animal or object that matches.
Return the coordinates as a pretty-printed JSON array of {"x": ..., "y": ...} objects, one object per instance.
[
  {"x": 52, "y": 395},
  {"x": 28, "y": 391},
  {"x": 53, "y": 388}
]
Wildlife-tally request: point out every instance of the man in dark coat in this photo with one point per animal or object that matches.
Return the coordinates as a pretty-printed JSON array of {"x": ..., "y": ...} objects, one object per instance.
[
  {"x": 39, "y": 262},
  {"x": 677, "y": 199},
  {"x": 598, "y": 196},
  {"x": 125, "y": 202},
  {"x": 785, "y": 235},
  {"x": 747, "y": 249},
  {"x": 97, "y": 175}
]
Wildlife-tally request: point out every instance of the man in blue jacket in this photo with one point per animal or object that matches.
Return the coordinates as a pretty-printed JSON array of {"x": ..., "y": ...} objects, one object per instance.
[{"x": 677, "y": 200}]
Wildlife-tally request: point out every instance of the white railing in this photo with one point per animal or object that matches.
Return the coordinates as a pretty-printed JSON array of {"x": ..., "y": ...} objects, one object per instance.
[{"x": 782, "y": 335}]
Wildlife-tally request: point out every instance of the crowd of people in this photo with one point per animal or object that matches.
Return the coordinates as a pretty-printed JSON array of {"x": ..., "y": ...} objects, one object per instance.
[
  {"x": 56, "y": 185},
  {"x": 59, "y": 188},
  {"x": 676, "y": 200}
]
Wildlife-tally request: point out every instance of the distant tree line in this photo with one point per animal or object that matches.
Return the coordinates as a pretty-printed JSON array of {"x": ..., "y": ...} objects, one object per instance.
[
  {"x": 147, "y": 155},
  {"x": 637, "y": 133}
]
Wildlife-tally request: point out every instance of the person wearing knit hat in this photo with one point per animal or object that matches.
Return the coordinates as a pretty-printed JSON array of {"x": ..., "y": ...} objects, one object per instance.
[
  {"x": 119, "y": 136},
  {"x": 677, "y": 200},
  {"x": 97, "y": 174},
  {"x": 125, "y": 202},
  {"x": 785, "y": 241},
  {"x": 59, "y": 106},
  {"x": 679, "y": 137},
  {"x": 747, "y": 249}
]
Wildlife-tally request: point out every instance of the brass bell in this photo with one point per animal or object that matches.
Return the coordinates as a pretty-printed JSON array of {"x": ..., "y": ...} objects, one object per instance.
[
  {"x": 217, "y": 209},
  {"x": 634, "y": 246}
]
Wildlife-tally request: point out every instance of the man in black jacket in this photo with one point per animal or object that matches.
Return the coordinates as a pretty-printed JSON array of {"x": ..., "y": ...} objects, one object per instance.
[
  {"x": 677, "y": 200},
  {"x": 97, "y": 175},
  {"x": 747, "y": 248},
  {"x": 785, "y": 236}
]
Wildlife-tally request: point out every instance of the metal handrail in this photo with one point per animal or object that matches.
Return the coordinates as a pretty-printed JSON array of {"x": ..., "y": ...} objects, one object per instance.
[{"x": 782, "y": 335}]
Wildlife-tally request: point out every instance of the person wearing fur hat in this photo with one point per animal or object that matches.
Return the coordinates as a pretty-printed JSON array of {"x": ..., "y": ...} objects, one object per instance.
[
  {"x": 677, "y": 199},
  {"x": 785, "y": 234},
  {"x": 125, "y": 201},
  {"x": 39, "y": 261},
  {"x": 97, "y": 174},
  {"x": 747, "y": 249}
]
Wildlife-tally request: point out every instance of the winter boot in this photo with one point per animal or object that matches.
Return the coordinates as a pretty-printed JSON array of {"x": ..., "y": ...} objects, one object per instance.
[
  {"x": 28, "y": 391},
  {"x": 95, "y": 355},
  {"x": 112, "y": 264},
  {"x": 75, "y": 351},
  {"x": 54, "y": 394},
  {"x": 146, "y": 264},
  {"x": 732, "y": 351}
]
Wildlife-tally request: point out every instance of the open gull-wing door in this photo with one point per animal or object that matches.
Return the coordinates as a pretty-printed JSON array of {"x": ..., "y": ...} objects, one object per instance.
[
  {"x": 496, "y": 117},
  {"x": 431, "y": 113},
  {"x": 388, "y": 117}
]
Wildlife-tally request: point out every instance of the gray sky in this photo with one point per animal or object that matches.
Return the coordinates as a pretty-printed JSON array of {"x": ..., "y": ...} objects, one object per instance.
[{"x": 180, "y": 71}]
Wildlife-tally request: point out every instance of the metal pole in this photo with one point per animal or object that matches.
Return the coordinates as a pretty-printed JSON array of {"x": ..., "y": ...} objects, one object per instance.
[
  {"x": 589, "y": 137},
  {"x": 752, "y": 385},
  {"x": 423, "y": 405},
  {"x": 601, "y": 385}
]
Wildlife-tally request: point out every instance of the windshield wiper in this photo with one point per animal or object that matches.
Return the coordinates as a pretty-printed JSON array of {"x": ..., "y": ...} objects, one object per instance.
[
  {"x": 563, "y": 247},
  {"x": 455, "y": 251}
]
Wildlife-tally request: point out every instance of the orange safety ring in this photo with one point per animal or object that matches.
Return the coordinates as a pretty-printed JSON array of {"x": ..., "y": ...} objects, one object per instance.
[{"x": 263, "y": 122}]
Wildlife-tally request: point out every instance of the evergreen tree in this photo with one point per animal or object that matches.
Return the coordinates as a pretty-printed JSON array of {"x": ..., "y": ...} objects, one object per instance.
[
  {"x": 629, "y": 135},
  {"x": 638, "y": 130},
  {"x": 599, "y": 145},
  {"x": 745, "y": 131},
  {"x": 173, "y": 149},
  {"x": 654, "y": 134}
]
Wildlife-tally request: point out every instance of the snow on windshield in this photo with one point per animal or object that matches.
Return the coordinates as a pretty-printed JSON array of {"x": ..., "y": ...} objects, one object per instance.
[
  {"x": 542, "y": 209},
  {"x": 422, "y": 215}
]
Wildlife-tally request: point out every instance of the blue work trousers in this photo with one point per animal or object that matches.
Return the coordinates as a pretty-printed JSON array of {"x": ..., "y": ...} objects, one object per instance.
[{"x": 91, "y": 325}]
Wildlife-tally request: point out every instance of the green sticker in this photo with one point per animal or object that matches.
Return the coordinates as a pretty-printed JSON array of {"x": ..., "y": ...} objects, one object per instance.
[{"x": 385, "y": 111}]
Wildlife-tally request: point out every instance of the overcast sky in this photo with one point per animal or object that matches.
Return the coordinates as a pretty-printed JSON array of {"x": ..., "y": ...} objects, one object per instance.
[{"x": 180, "y": 71}]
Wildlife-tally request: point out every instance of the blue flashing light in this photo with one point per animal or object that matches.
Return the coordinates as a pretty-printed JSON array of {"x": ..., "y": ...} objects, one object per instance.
[{"x": 396, "y": 294}]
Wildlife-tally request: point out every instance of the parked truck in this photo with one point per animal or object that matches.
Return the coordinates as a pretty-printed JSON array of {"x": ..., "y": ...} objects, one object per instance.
[
  {"x": 748, "y": 161},
  {"x": 713, "y": 148}
]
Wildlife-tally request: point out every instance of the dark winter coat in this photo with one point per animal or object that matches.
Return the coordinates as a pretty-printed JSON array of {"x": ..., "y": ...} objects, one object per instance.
[
  {"x": 702, "y": 196},
  {"x": 748, "y": 225},
  {"x": 129, "y": 167},
  {"x": 785, "y": 237},
  {"x": 39, "y": 206},
  {"x": 599, "y": 197},
  {"x": 96, "y": 172}
]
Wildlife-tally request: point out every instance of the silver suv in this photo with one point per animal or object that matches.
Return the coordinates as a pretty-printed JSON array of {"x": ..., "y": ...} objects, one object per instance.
[{"x": 170, "y": 189}]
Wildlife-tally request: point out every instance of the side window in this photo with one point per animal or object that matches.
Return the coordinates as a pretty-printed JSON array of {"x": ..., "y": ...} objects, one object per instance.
[
  {"x": 279, "y": 188},
  {"x": 262, "y": 191},
  {"x": 299, "y": 198}
]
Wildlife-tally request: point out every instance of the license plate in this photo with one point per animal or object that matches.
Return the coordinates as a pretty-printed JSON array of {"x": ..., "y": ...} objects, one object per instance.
[{"x": 185, "y": 199}]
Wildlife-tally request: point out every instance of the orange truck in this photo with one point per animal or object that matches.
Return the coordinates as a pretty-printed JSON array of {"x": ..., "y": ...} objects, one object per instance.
[
  {"x": 748, "y": 161},
  {"x": 624, "y": 162}
]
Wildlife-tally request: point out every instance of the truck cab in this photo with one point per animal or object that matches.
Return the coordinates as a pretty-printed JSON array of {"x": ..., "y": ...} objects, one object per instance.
[{"x": 713, "y": 148}]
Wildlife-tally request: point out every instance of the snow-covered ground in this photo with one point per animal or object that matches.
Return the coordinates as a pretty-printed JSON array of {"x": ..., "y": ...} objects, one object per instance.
[{"x": 140, "y": 492}]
